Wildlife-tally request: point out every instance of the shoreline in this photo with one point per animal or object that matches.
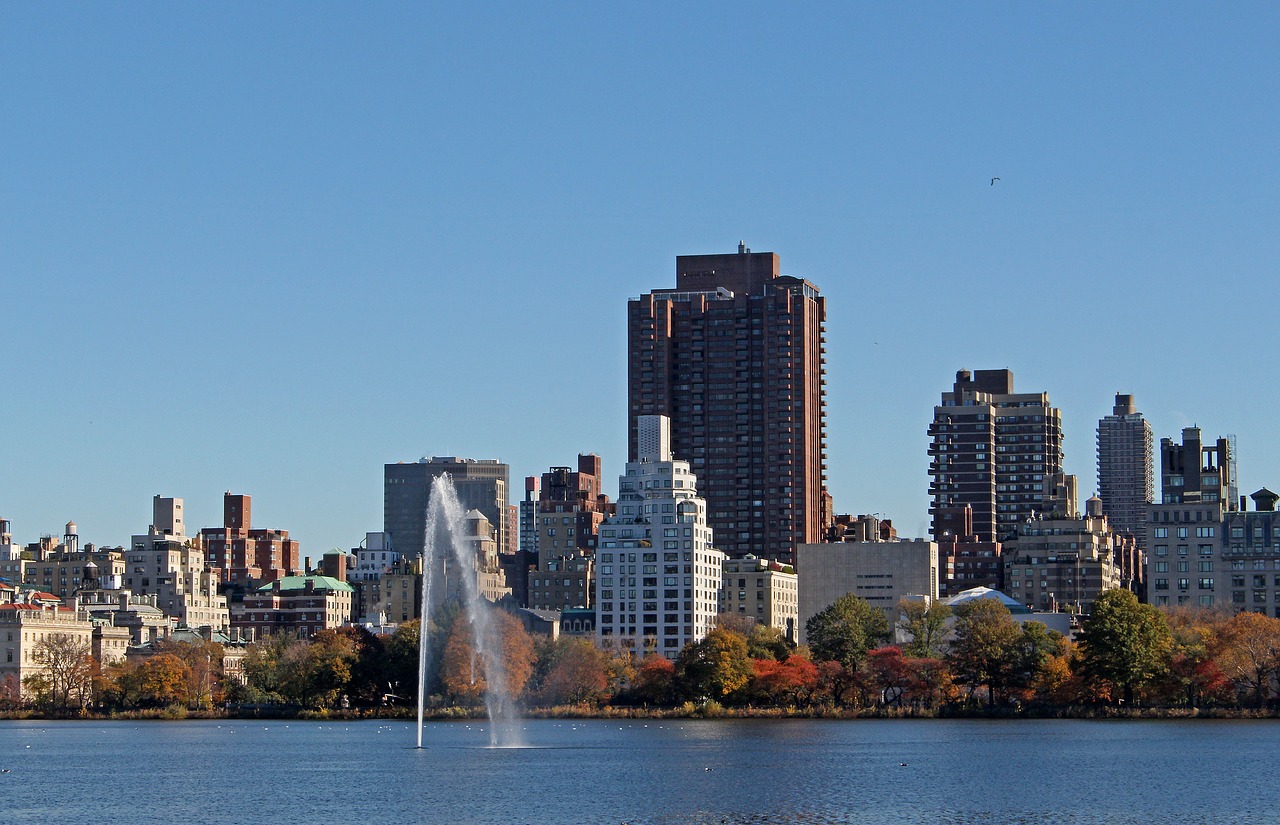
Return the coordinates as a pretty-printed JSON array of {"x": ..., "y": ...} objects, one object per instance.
[{"x": 1081, "y": 713}]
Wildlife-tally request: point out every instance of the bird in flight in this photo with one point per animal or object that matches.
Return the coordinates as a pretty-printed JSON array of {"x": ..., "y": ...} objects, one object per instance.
[{"x": 993, "y": 181}]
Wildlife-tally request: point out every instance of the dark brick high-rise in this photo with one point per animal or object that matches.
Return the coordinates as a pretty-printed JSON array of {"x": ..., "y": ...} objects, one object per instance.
[
  {"x": 735, "y": 357},
  {"x": 996, "y": 451}
]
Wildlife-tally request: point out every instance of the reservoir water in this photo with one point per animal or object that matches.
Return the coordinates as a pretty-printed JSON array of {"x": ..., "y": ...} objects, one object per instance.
[{"x": 678, "y": 772}]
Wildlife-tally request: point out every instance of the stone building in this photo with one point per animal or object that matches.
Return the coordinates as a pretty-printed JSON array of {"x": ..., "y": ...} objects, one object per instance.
[
  {"x": 1061, "y": 560},
  {"x": 762, "y": 590},
  {"x": 659, "y": 575}
]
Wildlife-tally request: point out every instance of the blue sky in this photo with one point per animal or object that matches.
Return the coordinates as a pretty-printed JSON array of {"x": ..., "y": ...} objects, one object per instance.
[{"x": 270, "y": 247}]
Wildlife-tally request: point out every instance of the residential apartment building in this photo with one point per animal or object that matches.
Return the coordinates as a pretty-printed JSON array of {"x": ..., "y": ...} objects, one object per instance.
[
  {"x": 245, "y": 555},
  {"x": 1207, "y": 548},
  {"x": 480, "y": 485},
  {"x": 1126, "y": 480},
  {"x": 571, "y": 509},
  {"x": 1060, "y": 560},
  {"x": 168, "y": 564},
  {"x": 882, "y": 572},
  {"x": 659, "y": 574},
  {"x": 763, "y": 590},
  {"x": 375, "y": 558},
  {"x": 734, "y": 355},
  {"x": 994, "y": 450},
  {"x": 965, "y": 561},
  {"x": 301, "y": 605}
]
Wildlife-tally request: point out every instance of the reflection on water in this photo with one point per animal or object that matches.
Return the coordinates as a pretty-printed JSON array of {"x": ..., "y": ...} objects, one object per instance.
[{"x": 655, "y": 773}]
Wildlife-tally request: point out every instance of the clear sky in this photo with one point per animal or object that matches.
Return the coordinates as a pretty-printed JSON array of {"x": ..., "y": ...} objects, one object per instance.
[{"x": 269, "y": 247}]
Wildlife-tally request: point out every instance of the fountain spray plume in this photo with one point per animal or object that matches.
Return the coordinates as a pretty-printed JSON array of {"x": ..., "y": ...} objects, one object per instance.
[{"x": 445, "y": 549}]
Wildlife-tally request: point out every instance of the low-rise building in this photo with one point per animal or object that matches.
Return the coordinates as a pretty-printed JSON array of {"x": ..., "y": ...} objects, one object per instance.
[
  {"x": 881, "y": 572},
  {"x": 302, "y": 605},
  {"x": 27, "y": 625},
  {"x": 763, "y": 590}
]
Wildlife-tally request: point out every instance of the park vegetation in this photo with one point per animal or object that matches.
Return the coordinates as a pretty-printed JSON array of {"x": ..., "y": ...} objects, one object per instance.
[{"x": 1128, "y": 658}]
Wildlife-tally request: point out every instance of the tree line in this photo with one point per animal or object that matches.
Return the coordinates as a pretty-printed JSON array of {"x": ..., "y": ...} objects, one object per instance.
[{"x": 977, "y": 658}]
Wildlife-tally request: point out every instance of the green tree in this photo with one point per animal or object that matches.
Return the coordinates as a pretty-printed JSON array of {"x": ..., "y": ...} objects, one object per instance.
[
  {"x": 1124, "y": 643},
  {"x": 926, "y": 624},
  {"x": 845, "y": 630},
  {"x": 985, "y": 651},
  {"x": 767, "y": 642},
  {"x": 716, "y": 666},
  {"x": 325, "y": 671},
  {"x": 273, "y": 669}
]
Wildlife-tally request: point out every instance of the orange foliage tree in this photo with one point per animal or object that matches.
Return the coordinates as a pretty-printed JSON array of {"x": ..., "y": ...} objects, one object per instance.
[
  {"x": 1247, "y": 650},
  {"x": 465, "y": 672}
]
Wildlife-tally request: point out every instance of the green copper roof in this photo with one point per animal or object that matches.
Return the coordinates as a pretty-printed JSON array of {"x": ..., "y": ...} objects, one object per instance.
[{"x": 300, "y": 583}]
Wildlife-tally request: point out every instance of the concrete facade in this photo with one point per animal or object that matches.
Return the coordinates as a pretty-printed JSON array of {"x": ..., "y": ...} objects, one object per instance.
[
  {"x": 882, "y": 572},
  {"x": 1208, "y": 549},
  {"x": 1126, "y": 479},
  {"x": 1062, "y": 561}
]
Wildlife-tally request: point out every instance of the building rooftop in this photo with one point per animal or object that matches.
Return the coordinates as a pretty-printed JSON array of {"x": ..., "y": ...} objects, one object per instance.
[
  {"x": 986, "y": 593},
  {"x": 300, "y": 583}
]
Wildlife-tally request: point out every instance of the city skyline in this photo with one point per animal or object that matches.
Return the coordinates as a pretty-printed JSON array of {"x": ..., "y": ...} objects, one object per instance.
[{"x": 238, "y": 240}]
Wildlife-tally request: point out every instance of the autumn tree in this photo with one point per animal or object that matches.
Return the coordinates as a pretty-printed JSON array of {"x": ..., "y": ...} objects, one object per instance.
[
  {"x": 926, "y": 624},
  {"x": 654, "y": 682},
  {"x": 580, "y": 674},
  {"x": 789, "y": 682},
  {"x": 65, "y": 678},
  {"x": 1194, "y": 676},
  {"x": 325, "y": 670},
  {"x": 466, "y": 672},
  {"x": 163, "y": 680},
  {"x": 845, "y": 630},
  {"x": 715, "y": 666},
  {"x": 203, "y": 661},
  {"x": 273, "y": 669},
  {"x": 887, "y": 675},
  {"x": 1247, "y": 650},
  {"x": 1124, "y": 643}
]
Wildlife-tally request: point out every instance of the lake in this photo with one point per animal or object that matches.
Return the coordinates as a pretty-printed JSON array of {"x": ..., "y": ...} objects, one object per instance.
[{"x": 680, "y": 772}]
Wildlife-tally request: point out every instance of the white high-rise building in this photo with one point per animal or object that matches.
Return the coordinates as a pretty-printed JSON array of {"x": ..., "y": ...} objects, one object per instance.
[{"x": 658, "y": 578}]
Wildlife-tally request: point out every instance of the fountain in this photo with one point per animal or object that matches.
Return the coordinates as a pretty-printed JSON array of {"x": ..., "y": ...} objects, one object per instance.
[{"x": 444, "y": 543}]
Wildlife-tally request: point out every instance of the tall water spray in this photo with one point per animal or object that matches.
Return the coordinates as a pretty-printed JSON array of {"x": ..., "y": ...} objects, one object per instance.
[{"x": 446, "y": 548}]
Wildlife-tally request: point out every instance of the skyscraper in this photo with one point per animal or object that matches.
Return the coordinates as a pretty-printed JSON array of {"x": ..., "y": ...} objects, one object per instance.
[
  {"x": 659, "y": 575},
  {"x": 735, "y": 357},
  {"x": 994, "y": 450},
  {"x": 481, "y": 485},
  {"x": 1126, "y": 482}
]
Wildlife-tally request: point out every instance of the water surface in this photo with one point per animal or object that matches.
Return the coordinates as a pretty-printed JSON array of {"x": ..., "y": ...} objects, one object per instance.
[{"x": 668, "y": 773}]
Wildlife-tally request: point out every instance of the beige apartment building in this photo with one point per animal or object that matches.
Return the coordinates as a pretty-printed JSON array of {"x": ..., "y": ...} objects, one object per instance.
[{"x": 763, "y": 590}]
